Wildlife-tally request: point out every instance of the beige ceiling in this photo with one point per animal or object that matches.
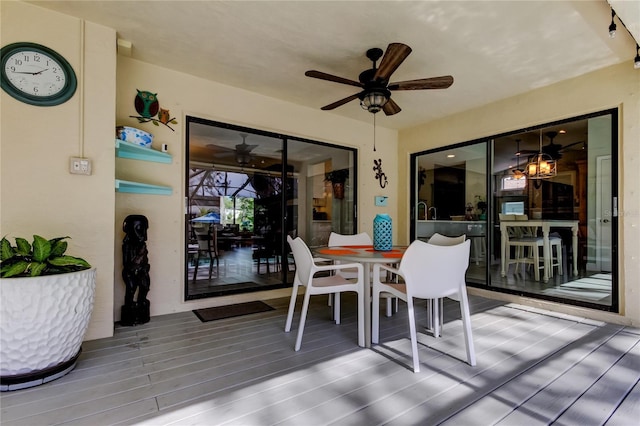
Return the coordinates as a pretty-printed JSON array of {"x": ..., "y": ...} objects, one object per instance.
[{"x": 493, "y": 49}]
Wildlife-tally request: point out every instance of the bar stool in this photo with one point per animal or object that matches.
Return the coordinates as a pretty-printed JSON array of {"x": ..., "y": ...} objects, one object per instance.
[{"x": 527, "y": 251}]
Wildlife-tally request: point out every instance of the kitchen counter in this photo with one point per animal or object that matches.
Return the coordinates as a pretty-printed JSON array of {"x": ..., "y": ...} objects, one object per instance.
[{"x": 450, "y": 228}]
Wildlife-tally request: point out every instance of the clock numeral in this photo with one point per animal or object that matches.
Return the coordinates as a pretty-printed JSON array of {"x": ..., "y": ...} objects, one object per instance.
[
  {"x": 36, "y": 58},
  {"x": 26, "y": 58},
  {"x": 17, "y": 62},
  {"x": 35, "y": 89}
]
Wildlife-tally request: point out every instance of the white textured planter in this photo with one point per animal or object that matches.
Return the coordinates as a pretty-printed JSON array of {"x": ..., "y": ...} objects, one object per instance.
[{"x": 42, "y": 324}]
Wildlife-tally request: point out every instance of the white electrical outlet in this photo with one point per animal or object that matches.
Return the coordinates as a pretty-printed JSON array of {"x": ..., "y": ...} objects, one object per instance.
[{"x": 79, "y": 166}]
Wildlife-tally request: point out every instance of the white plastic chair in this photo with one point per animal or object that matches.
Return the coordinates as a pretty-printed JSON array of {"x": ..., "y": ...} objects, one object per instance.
[
  {"x": 306, "y": 269},
  {"x": 429, "y": 272},
  {"x": 435, "y": 308}
]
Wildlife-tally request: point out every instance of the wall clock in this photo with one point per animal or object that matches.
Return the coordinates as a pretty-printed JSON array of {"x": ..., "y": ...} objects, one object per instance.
[{"x": 36, "y": 75}]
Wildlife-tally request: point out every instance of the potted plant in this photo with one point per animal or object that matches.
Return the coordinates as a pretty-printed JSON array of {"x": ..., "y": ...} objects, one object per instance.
[
  {"x": 337, "y": 179},
  {"x": 46, "y": 300},
  {"x": 481, "y": 204}
]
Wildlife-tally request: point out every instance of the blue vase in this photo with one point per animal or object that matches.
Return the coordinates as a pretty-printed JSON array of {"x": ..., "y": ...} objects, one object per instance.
[{"x": 382, "y": 235}]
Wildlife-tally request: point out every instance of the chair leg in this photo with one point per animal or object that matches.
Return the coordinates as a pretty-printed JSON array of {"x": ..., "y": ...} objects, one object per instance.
[
  {"x": 536, "y": 262},
  {"x": 559, "y": 258},
  {"x": 436, "y": 317},
  {"x": 414, "y": 337},
  {"x": 389, "y": 304},
  {"x": 195, "y": 271},
  {"x": 466, "y": 323},
  {"x": 336, "y": 307},
  {"x": 361, "y": 325},
  {"x": 303, "y": 319},
  {"x": 292, "y": 306},
  {"x": 375, "y": 316}
]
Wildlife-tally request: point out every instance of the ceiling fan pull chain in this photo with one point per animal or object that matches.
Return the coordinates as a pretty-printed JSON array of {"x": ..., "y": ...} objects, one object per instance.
[{"x": 374, "y": 133}]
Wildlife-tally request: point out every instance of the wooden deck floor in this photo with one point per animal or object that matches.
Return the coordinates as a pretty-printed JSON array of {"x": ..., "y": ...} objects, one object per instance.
[{"x": 534, "y": 367}]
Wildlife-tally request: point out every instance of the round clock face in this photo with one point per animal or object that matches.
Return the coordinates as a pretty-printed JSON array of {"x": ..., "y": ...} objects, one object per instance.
[{"x": 36, "y": 75}]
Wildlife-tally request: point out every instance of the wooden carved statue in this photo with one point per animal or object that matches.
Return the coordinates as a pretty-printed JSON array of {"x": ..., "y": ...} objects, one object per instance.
[{"x": 135, "y": 271}]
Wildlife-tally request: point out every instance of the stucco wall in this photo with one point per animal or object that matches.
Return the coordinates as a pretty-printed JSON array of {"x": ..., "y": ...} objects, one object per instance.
[
  {"x": 184, "y": 95},
  {"x": 39, "y": 196},
  {"x": 613, "y": 87}
]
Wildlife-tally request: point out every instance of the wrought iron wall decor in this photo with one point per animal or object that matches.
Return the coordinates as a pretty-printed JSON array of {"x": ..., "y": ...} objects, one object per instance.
[{"x": 382, "y": 178}]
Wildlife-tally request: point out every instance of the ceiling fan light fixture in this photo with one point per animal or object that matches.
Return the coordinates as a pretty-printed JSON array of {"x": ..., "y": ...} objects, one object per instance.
[
  {"x": 373, "y": 101},
  {"x": 243, "y": 158},
  {"x": 518, "y": 174}
]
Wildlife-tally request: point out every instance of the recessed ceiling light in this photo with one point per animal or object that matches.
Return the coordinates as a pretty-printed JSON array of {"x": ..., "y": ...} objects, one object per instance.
[
  {"x": 451, "y": 156},
  {"x": 562, "y": 131}
]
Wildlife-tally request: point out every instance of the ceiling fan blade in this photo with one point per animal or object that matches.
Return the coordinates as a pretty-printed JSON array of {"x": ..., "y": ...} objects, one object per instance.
[
  {"x": 424, "y": 83},
  {"x": 243, "y": 147},
  {"x": 324, "y": 76},
  {"x": 340, "y": 102},
  {"x": 393, "y": 57},
  {"x": 573, "y": 144},
  {"x": 391, "y": 108}
]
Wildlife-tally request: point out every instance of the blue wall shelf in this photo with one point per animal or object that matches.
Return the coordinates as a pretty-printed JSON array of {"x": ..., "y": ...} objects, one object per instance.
[
  {"x": 141, "y": 188},
  {"x": 132, "y": 151},
  {"x": 126, "y": 149}
]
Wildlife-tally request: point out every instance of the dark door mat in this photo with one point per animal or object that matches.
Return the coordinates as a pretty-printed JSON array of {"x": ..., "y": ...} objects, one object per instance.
[{"x": 228, "y": 311}]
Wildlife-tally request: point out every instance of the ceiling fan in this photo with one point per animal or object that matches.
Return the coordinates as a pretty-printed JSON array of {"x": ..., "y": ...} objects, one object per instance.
[
  {"x": 376, "y": 93},
  {"x": 556, "y": 150},
  {"x": 242, "y": 152},
  {"x": 553, "y": 149}
]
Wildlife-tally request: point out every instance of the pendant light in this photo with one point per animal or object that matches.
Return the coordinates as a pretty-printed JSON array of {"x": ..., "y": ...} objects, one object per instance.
[
  {"x": 541, "y": 166},
  {"x": 518, "y": 173}
]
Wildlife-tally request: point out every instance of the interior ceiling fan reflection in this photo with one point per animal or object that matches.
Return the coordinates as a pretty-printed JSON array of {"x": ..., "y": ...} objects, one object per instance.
[
  {"x": 241, "y": 153},
  {"x": 555, "y": 150}
]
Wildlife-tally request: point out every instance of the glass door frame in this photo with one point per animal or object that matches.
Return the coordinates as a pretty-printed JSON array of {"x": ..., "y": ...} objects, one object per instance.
[
  {"x": 491, "y": 207},
  {"x": 285, "y": 174}
]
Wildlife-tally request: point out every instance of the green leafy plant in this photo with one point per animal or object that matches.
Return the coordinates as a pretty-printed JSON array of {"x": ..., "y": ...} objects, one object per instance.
[{"x": 42, "y": 257}]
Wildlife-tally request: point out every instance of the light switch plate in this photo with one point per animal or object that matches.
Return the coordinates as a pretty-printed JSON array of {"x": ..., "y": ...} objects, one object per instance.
[{"x": 380, "y": 200}]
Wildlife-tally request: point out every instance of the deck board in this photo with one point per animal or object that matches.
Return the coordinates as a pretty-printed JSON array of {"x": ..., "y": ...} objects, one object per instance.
[{"x": 534, "y": 367}]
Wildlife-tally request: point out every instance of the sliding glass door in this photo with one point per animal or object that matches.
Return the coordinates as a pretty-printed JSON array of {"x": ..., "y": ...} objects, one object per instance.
[
  {"x": 450, "y": 198},
  {"x": 246, "y": 192},
  {"x": 539, "y": 204}
]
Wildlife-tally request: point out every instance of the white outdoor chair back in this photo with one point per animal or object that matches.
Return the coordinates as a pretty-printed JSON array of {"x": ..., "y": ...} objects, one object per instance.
[
  {"x": 305, "y": 276},
  {"x": 442, "y": 240},
  {"x": 429, "y": 272}
]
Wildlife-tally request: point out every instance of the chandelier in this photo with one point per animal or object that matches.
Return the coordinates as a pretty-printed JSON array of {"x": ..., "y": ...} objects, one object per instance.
[{"x": 541, "y": 165}]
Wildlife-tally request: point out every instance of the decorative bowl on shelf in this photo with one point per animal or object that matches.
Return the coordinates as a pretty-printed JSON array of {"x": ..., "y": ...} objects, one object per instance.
[{"x": 133, "y": 135}]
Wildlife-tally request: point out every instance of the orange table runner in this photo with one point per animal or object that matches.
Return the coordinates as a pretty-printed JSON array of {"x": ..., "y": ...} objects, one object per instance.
[
  {"x": 398, "y": 254},
  {"x": 336, "y": 251}
]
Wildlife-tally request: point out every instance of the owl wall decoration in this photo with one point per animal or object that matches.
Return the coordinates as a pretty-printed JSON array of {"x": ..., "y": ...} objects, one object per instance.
[{"x": 147, "y": 105}]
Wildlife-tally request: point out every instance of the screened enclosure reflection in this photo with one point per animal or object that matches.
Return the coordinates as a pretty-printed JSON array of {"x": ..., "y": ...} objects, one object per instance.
[{"x": 246, "y": 192}]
